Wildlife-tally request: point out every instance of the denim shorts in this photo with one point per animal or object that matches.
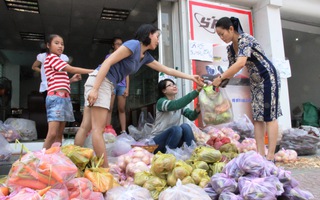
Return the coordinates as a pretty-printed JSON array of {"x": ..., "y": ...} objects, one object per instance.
[
  {"x": 59, "y": 109},
  {"x": 119, "y": 90}
]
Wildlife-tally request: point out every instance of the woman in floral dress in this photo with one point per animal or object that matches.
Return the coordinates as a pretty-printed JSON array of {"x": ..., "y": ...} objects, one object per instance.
[{"x": 264, "y": 80}]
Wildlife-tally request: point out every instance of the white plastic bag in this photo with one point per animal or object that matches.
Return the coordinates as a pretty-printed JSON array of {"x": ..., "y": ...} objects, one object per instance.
[
  {"x": 184, "y": 192},
  {"x": 128, "y": 193},
  {"x": 122, "y": 145},
  {"x": 26, "y": 128},
  {"x": 5, "y": 149},
  {"x": 182, "y": 153}
]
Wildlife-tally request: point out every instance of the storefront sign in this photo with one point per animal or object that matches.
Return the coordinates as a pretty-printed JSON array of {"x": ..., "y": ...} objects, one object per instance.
[{"x": 203, "y": 17}]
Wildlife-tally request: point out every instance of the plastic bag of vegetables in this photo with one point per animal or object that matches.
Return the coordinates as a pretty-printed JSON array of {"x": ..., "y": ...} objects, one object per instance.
[
  {"x": 266, "y": 188},
  {"x": 200, "y": 177},
  {"x": 215, "y": 106},
  {"x": 141, "y": 177},
  {"x": 297, "y": 193},
  {"x": 80, "y": 156},
  {"x": 25, "y": 127},
  {"x": 162, "y": 164},
  {"x": 39, "y": 169},
  {"x": 206, "y": 154},
  {"x": 80, "y": 188},
  {"x": 222, "y": 183},
  {"x": 180, "y": 171},
  {"x": 8, "y": 132},
  {"x": 27, "y": 193},
  {"x": 155, "y": 185},
  {"x": 252, "y": 163},
  {"x": 286, "y": 155},
  {"x": 184, "y": 192},
  {"x": 229, "y": 196}
]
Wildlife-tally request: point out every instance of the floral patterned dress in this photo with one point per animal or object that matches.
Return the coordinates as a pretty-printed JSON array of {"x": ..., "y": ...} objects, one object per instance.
[{"x": 264, "y": 78}]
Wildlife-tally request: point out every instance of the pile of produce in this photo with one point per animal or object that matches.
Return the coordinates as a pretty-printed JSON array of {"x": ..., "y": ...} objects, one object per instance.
[
  {"x": 50, "y": 174},
  {"x": 250, "y": 176},
  {"x": 212, "y": 170},
  {"x": 127, "y": 165},
  {"x": 166, "y": 171}
]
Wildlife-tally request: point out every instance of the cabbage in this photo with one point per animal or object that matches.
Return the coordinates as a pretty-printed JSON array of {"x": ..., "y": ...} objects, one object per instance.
[
  {"x": 155, "y": 185},
  {"x": 171, "y": 179},
  {"x": 187, "y": 180},
  {"x": 204, "y": 181},
  {"x": 183, "y": 164},
  {"x": 229, "y": 147},
  {"x": 206, "y": 154},
  {"x": 162, "y": 163},
  {"x": 180, "y": 172},
  {"x": 198, "y": 174},
  {"x": 217, "y": 167},
  {"x": 201, "y": 165},
  {"x": 141, "y": 177}
]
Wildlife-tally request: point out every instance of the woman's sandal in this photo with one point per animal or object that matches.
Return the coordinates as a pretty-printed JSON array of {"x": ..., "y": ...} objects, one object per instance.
[{"x": 273, "y": 161}]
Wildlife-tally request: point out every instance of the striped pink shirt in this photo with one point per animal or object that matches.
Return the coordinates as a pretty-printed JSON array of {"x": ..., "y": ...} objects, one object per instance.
[{"x": 56, "y": 78}]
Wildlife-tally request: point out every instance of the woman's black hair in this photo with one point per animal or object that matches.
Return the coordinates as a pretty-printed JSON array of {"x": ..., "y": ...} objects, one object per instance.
[
  {"x": 143, "y": 32},
  {"x": 162, "y": 85},
  {"x": 50, "y": 38},
  {"x": 226, "y": 22}
]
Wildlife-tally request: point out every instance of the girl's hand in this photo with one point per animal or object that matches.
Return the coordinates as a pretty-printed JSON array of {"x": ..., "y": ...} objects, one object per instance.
[
  {"x": 198, "y": 80},
  {"x": 199, "y": 88},
  {"x": 126, "y": 93},
  {"x": 75, "y": 78},
  {"x": 92, "y": 97}
]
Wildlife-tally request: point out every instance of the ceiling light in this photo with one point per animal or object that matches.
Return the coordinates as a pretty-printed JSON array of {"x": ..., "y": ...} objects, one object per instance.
[
  {"x": 297, "y": 39},
  {"x": 31, "y": 6},
  {"x": 32, "y": 36},
  {"x": 114, "y": 14}
]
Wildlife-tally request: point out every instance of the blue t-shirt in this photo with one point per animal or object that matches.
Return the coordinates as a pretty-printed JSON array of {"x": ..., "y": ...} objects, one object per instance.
[
  {"x": 129, "y": 65},
  {"x": 122, "y": 83}
]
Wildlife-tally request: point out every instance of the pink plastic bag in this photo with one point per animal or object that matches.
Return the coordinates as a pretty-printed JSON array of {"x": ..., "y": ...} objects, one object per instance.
[{"x": 24, "y": 193}]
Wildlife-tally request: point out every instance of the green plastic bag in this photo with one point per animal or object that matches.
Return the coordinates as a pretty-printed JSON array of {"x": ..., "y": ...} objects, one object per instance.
[{"x": 310, "y": 115}]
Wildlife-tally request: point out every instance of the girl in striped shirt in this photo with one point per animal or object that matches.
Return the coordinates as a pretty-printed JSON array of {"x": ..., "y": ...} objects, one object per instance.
[{"x": 58, "y": 102}]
